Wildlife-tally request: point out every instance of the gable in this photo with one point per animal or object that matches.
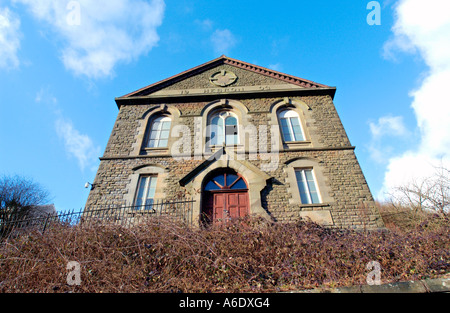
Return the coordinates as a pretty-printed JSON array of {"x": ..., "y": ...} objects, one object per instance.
[
  {"x": 224, "y": 75},
  {"x": 233, "y": 77},
  {"x": 225, "y": 157}
]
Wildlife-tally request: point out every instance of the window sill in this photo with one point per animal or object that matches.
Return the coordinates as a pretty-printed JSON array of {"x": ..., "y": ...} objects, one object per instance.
[
  {"x": 147, "y": 151},
  {"x": 296, "y": 144},
  {"x": 314, "y": 205},
  {"x": 218, "y": 147}
]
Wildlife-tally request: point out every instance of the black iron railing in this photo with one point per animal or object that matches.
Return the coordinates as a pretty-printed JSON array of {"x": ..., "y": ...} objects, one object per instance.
[{"x": 14, "y": 223}]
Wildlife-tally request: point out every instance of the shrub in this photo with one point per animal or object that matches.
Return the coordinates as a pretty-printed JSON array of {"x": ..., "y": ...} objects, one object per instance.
[{"x": 250, "y": 256}]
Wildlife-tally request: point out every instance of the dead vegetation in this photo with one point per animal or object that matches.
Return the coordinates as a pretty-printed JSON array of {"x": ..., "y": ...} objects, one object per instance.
[{"x": 255, "y": 256}]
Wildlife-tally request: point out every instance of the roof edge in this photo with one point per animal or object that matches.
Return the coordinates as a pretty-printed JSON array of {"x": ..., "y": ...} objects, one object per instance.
[
  {"x": 230, "y": 61},
  {"x": 331, "y": 91},
  {"x": 184, "y": 73}
]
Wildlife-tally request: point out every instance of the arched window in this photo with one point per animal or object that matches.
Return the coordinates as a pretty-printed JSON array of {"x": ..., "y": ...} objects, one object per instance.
[
  {"x": 158, "y": 132},
  {"x": 224, "y": 129},
  {"x": 290, "y": 126},
  {"x": 225, "y": 181}
]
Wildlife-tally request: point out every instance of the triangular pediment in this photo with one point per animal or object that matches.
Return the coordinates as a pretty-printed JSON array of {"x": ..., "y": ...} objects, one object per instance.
[
  {"x": 224, "y": 75},
  {"x": 223, "y": 155}
]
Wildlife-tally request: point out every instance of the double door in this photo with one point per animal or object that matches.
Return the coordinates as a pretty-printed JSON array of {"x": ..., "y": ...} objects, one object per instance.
[{"x": 225, "y": 206}]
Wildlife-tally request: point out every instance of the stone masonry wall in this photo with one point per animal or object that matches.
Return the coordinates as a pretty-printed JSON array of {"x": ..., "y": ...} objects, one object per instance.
[
  {"x": 245, "y": 78},
  {"x": 353, "y": 205},
  {"x": 326, "y": 125}
]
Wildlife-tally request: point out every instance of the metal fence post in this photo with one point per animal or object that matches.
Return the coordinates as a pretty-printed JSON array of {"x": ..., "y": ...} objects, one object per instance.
[{"x": 45, "y": 224}]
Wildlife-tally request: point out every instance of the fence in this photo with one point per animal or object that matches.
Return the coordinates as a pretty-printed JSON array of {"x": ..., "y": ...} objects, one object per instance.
[{"x": 12, "y": 224}]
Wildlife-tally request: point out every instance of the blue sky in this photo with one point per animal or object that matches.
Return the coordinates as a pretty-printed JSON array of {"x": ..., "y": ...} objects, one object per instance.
[{"x": 62, "y": 63}]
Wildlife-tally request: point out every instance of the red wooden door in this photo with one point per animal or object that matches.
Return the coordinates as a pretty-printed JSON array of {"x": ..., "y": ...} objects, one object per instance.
[
  {"x": 229, "y": 206},
  {"x": 218, "y": 206},
  {"x": 237, "y": 204},
  {"x": 225, "y": 197}
]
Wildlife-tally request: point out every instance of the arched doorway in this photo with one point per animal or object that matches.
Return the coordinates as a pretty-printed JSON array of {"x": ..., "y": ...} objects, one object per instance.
[{"x": 225, "y": 197}]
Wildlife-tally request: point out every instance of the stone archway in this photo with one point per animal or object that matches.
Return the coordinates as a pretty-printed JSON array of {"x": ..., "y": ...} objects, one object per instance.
[
  {"x": 255, "y": 178},
  {"x": 224, "y": 197}
]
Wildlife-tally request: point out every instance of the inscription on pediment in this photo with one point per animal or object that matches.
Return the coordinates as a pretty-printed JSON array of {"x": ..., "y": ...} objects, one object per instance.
[{"x": 224, "y": 90}]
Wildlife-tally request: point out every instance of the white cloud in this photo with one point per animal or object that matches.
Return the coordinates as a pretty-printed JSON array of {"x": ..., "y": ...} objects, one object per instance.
[
  {"x": 9, "y": 39},
  {"x": 46, "y": 97},
  {"x": 96, "y": 35},
  {"x": 388, "y": 125},
  {"x": 223, "y": 41},
  {"x": 424, "y": 27},
  {"x": 405, "y": 169},
  {"x": 77, "y": 145}
]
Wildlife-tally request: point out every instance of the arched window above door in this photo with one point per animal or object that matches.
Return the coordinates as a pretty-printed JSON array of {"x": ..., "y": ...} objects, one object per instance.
[
  {"x": 225, "y": 197},
  {"x": 225, "y": 181}
]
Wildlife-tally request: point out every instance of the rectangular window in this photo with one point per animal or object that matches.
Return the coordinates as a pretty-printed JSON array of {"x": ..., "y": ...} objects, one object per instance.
[
  {"x": 285, "y": 129},
  {"x": 231, "y": 134},
  {"x": 231, "y": 131},
  {"x": 307, "y": 186},
  {"x": 216, "y": 131},
  {"x": 297, "y": 129},
  {"x": 146, "y": 193}
]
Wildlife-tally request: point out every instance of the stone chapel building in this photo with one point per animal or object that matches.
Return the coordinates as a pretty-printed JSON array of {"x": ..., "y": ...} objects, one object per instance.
[{"x": 238, "y": 139}]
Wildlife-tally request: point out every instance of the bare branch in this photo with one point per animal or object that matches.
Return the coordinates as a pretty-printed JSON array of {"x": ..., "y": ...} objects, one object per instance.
[
  {"x": 18, "y": 192},
  {"x": 428, "y": 194}
]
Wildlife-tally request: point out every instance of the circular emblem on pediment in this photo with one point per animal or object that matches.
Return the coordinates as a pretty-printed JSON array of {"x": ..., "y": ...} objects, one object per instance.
[{"x": 223, "y": 78}]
